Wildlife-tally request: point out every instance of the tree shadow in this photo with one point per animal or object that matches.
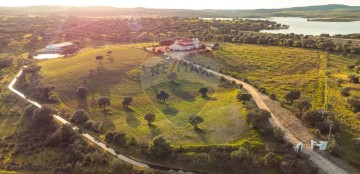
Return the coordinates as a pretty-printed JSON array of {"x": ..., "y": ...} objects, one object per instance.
[
  {"x": 93, "y": 101},
  {"x": 154, "y": 130},
  {"x": 201, "y": 133},
  {"x": 168, "y": 110},
  {"x": 131, "y": 120},
  {"x": 108, "y": 124},
  {"x": 82, "y": 103},
  {"x": 187, "y": 96},
  {"x": 210, "y": 98},
  {"x": 175, "y": 88}
]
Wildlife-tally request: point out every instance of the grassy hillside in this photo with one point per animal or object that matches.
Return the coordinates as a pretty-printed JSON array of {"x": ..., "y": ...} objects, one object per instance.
[
  {"x": 280, "y": 69},
  {"x": 112, "y": 78}
]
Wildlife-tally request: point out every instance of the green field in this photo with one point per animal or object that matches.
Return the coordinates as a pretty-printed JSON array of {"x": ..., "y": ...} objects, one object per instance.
[
  {"x": 280, "y": 69},
  {"x": 224, "y": 116}
]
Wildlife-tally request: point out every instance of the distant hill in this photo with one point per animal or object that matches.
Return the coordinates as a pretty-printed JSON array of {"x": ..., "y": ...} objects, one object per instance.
[
  {"x": 332, "y": 11},
  {"x": 329, "y": 7}
]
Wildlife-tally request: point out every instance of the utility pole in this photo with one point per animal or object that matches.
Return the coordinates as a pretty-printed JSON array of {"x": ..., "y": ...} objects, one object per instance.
[{"x": 331, "y": 123}]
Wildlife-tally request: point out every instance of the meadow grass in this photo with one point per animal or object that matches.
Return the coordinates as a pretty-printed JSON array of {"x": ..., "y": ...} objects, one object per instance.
[
  {"x": 280, "y": 69},
  {"x": 223, "y": 114}
]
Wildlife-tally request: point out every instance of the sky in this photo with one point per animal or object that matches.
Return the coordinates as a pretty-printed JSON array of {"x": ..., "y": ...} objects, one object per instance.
[{"x": 183, "y": 4}]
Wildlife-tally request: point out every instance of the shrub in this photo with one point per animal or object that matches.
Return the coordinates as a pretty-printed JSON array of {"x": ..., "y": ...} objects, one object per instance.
[
  {"x": 350, "y": 67},
  {"x": 149, "y": 117},
  {"x": 79, "y": 117},
  {"x": 119, "y": 139},
  {"x": 303, "y": 105},
  {"x": 159, "y": 147},
  {"x": 339, "y": 81},
  {"x": 82, "y": 92},
  {"x": 262, "y": 90},
  {"x": 292, "y": 95},
  {"x": 271, "y": 159},
  {"x": 240, "y": 155},
  {"x": 345, "y": 91},
  {"x": 5, "y": 62},
  {"x": 354, "y": 103},
  {"x": 353, "y": 78},
  {"x": 244, "y": 97},
  {"x": 273, "y": 97},
  {"x": 278, "y": 134},
  {"x": 259, "y": 119}
]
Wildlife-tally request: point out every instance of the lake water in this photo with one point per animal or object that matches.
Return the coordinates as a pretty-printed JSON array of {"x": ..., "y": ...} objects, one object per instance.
[
  {"x": 48, "y": 56},
  {"x": 302, "y": 26}
]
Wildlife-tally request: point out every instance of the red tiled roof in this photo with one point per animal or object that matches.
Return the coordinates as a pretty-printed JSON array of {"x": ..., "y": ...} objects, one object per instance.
[
  {"x": 185, "y": 44},
  {"x": 184, "y": 40}
]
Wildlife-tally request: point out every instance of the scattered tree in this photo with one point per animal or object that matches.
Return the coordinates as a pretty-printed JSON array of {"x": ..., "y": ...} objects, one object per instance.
[
  {"x": 345, "y": 91},
  {"x": 244, "y": 97},
  {"x": 127, "y": 101},
  {"x": 109, "y": 53},
  {"x": 162, "y": 96},
  {"x": 149, "y": 117},
  {"x": 82, "y": 92},
  {"x": 292, "y": 95},
  {"x": 353, "y": 78},
  {"x": 99, "y": 58},
  {"x": 339, "y": 81},
  {"x": 103, "y": 102},
  {"x": 303, "y": 105},
  {"x": 203, "y": 91},
  {"x": 79, "y": 117},
  {"x": 354, "y": 103},
  {"x": 311, "y": 117},
  {"x": 195, "y": 120}
]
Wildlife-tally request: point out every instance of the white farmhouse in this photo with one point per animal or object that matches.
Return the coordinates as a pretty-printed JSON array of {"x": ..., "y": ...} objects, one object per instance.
[
  {"x": 185, "y": 44},
  {"x": 59, "y": 46}
]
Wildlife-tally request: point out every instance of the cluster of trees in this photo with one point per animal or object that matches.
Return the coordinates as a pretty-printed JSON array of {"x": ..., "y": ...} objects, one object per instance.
[
  {"x": 119, "y": 139},
  {"x": 292, "y": 40},
  {"x": 319, "y": 119}
]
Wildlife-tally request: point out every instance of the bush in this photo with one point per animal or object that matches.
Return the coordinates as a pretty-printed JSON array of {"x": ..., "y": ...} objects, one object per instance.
[
  {"x": 259, "y": 119},
  {"x": 271, "y": 159},
  {"x": 345, "y": 91},
  {"x": 353, "y": 78},
  {"x": 159, "y": 147},
  {"x": 262, "y": 90},
  {"x": 312, "y": 117},
  {"x": 292, "y": 95},
  {"x": 350, "y": 67},
  {"x": 5, "y": 62},
  {"x": 333, "y": 147},
  {"x": 354, "y": 103},
  {"x": 240, "y": 155},
  {"x": 273, "y": 97},
  {"x": 278, "y": 134},
  {"x": 82, "y": 92},
  {"x": 79, "y": 117}
]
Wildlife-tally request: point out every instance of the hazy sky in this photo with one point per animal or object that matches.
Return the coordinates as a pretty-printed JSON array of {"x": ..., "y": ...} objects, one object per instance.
[{"x": 183, "y": 4}]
